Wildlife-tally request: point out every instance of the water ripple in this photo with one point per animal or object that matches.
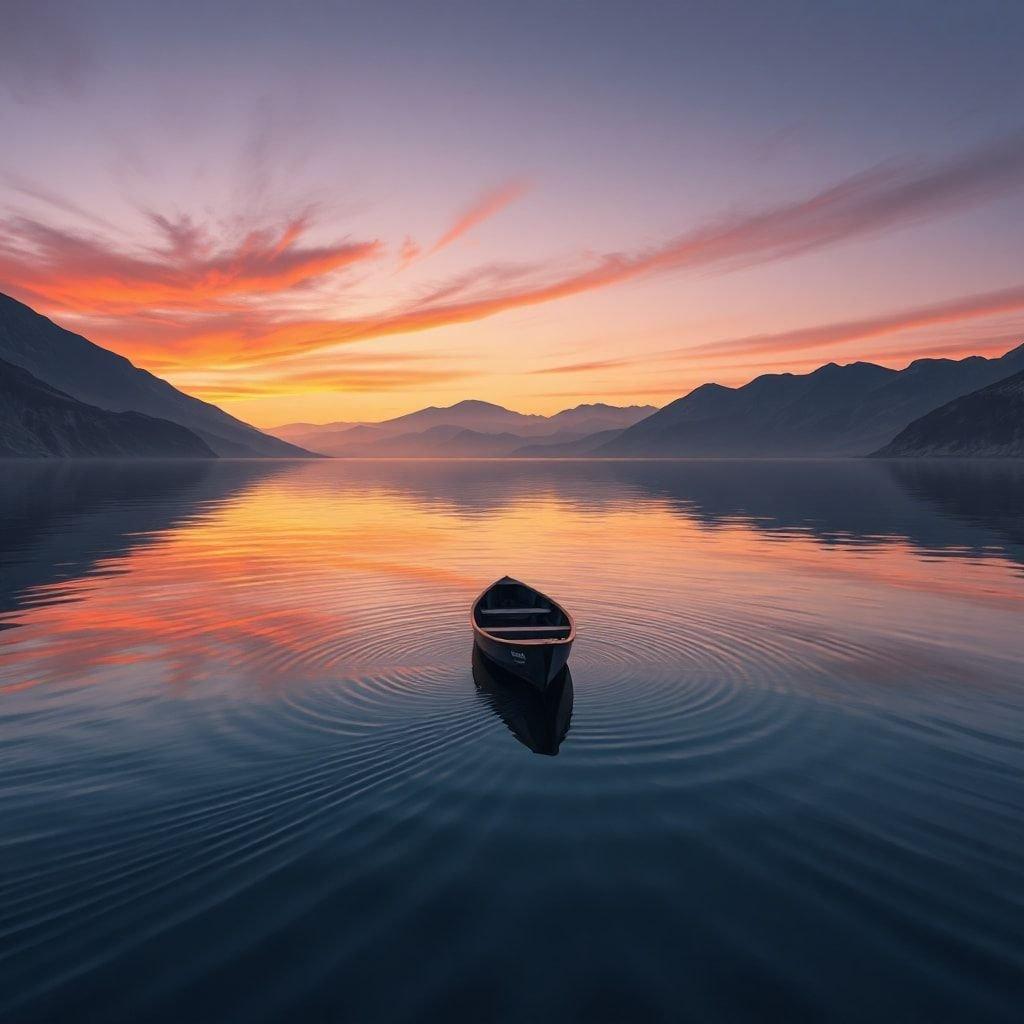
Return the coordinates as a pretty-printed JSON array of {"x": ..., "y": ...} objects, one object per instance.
[{"x": 246, "y": 760}]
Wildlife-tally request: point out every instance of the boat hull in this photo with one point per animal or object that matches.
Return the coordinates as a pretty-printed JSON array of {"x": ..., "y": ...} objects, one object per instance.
[
  {"x": 536, "y": 663},
  {"x": 522, "y": 631}
]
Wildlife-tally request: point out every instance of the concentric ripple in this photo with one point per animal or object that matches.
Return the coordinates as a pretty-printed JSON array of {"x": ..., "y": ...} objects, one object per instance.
[{"x": 247, "y": 771}]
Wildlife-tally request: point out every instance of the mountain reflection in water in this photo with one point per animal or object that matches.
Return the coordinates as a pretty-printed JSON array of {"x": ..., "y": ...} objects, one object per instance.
[{"x": 248, "y": 772}]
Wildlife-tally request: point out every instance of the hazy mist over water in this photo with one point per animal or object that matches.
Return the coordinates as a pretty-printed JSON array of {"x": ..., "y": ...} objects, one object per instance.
[{"x": 248, "y": 771}]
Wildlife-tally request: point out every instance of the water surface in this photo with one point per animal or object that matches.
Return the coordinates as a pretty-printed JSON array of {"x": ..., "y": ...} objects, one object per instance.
[{"x": 248, "y": 771}]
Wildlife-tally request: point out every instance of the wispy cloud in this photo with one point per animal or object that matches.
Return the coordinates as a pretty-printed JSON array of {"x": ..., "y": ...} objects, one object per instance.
[
  {"x": 363, "y": 379},
  {"x": 591, "y": 365},
  {"x": 196, "y": 295},
  {"x": 980, "y": 344},
  {"x": 487, "y": 205},
  {"x": 186, "y": 268},
  {"x": 828, "y": 335},
  {"x": 410, "y": 251},
  {"x": 636, "y": 392},
  {"x": 33, "y": 190},
  {"x": 968, "y": 307},
  {"x": 869, "y": 203}
]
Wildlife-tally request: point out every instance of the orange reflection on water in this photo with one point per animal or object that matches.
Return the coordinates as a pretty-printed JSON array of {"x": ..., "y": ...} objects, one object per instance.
[{"x": 315, "y": 574}]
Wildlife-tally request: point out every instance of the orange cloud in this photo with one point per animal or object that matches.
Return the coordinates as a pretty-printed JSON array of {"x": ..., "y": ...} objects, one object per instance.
[
  {"x": 965, "y": 308},
  {"x": 186, "y": 270},
  {"x": 984, "y": 346},
  {"x": 597, "y": 364},
  {"x": 969, "y": 307},
  {"x": 326, "y": 380},
  {"x": 196, "y": 300},
  {"x": 338, "y": 371},
  {"x": 409, "y": 252},
  {"x": 484, "y": 207},
  {"x": 877, "y": 200},
  {"x": 487, "y": 205}
]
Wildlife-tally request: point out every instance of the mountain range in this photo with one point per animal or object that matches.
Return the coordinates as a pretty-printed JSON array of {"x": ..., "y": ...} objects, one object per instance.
[
  {"x": 97, "y": 377},
  {"x": 469, "y": 429},
  {"x": 65, "y": 396},
  {"x": 835, "y": 411}
]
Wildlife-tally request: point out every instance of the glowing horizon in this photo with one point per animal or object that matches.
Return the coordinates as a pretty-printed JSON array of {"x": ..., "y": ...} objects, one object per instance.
[{"x": 335, "y": 238}]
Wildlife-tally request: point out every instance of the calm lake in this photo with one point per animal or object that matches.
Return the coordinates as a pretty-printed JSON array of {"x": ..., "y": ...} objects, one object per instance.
[{"x": 248, "y": 773}]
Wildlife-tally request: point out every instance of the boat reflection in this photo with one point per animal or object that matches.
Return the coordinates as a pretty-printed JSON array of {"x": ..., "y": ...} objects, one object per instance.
[{"x": 539, "y": 720}]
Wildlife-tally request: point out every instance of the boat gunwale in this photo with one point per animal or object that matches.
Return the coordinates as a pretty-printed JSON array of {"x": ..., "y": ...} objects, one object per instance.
[{"x": 540, "y": 642}]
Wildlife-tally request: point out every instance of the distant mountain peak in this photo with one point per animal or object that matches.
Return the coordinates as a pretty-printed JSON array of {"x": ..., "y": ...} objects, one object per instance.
[
  {"x": 470, "y": 428},
  {"x": 604, "y": 407},
  {"x": 710, "y": 388},
  {"x": 859, "y": 366},
  {"x": 476, "y": 404}
]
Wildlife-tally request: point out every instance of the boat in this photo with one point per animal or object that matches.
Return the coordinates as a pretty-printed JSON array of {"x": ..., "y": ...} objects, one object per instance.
[
  {"x": 522, "y": 631},
  {"x": 539, "y": 719}
]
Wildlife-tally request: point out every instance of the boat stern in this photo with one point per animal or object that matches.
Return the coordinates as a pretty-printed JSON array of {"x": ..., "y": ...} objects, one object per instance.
[{"x": 536, "y": 663}]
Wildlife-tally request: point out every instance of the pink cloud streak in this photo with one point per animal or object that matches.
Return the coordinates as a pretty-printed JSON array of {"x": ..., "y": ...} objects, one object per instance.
[
  {"x": 487, "y": 205},
  {"x": 201, "y": 299}
]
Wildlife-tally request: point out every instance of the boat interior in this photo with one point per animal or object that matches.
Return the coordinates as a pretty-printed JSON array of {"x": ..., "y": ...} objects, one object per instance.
[{"x": 512, "y": 611}]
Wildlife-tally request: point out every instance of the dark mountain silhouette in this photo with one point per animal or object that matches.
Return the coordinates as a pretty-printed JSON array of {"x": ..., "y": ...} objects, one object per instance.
[
  {"x": 835, "y": 411},
  {"x": 985, "y": 423},
  {"x": 37, "y": 420},
  {"x": 431, "y": 432},
  {"x": 97, "y": 377}
]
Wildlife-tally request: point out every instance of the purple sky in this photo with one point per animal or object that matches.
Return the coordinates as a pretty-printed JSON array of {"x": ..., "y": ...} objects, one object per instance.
[{"x": 353, "y": 210}]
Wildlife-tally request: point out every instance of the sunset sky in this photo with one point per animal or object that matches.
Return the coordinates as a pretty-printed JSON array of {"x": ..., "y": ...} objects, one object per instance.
[{"x": 347, "y": 211}]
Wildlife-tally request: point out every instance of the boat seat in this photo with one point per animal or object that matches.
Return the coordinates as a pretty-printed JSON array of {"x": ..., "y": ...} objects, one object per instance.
[
  {"x": 525, "y": 631},
  {"x": 515, "y": 611}
]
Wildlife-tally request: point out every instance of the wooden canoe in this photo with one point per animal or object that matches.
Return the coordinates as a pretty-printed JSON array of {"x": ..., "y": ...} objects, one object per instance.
[{"x": 522, "y": 631}]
